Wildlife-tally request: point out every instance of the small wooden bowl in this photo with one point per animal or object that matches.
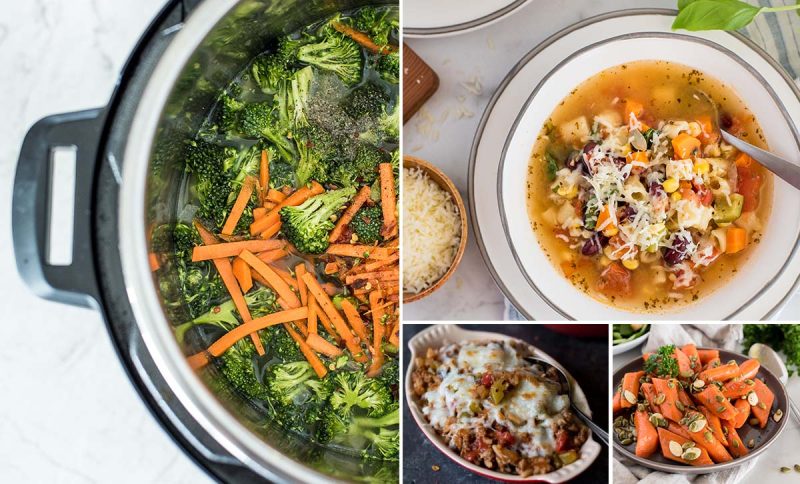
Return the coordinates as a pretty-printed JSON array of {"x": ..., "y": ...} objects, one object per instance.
[{"x": 444, "y": 182}]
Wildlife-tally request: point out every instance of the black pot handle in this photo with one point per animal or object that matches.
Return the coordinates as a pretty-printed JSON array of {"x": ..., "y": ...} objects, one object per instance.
[{"x": 75, "y": 283}]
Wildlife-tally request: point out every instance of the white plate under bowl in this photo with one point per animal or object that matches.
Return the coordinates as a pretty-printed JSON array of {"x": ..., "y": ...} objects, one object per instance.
[
  {"x": 439, "y": 335},
  {"x": 514, "y": 117},
  {"x": 441, "y": 18}
]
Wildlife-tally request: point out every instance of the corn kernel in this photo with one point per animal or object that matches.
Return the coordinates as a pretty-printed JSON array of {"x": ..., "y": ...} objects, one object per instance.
[
  {"x": 675, "y": 197},
  {"x": 670, "y": 185},
  {"x": 608, "y": 252},
  {"x": 701, "y": 167},
  {"x": 605, "y": 261},
  {"x": 630, "y": 264},
  {"x": 695, "y": 129},
  {"x": 610, "y": 231}
]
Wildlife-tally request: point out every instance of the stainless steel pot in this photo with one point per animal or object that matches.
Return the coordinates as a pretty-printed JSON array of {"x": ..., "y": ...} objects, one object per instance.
[{"x": 165, "y": 93}]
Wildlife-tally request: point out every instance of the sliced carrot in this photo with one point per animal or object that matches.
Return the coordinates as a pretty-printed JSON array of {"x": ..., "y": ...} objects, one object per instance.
[
  {"x": 765, "y": 400},
  {"x": 735, "y": 240},
  {"x": 616, "y": 402},
  {"x": 273, "y": 279},
  {"x": 374, "y": 265},
  {"x": 665, "y": 437},
  {"x": 286, "y": 276},
  {"x": 321, "y": 345},
  {"x": 684, "y": 365},
  {"x": 707, "y": 355},
  {"x": 312, "y": 316},
  {"x": 749, "y": 368},
  {"x": 632, "y": 108},
  {"x": 268, "y": 206},
  {"x": 668, "y": 388},
  {"x": 388, "y": 201},
  {"x": 154, "y": 262},
  {"x": 650, "y": 394},
  {"x": 382, "y": 276},
  {"x": 225, "y": 270},
  {"x": 269, "y": 256},
  {"x": 630, "y": 388},
  {"x": 242, "y": 273},
  {"x": 646, "y": 435},
  {"x": 677, "y": 429},
  {"x": 713, "y": 364},
  {"x": 275, "y": 196},
  {"x": 296, "y": 198},
  {"x": 713, "y": 399},
  {"x": 259, "y": 212},
  {"x": 361, "y": 251},
  {"x": 735, "y": 444},
  {"x": 708, "y": 133},
  {"x": 684, "y": 146},
  {"x": 299, "y": 271},
  {"x": 316, "y": 364},
  {"x": 395, "y": 337},
  {"x": 705, "y": 438},
  {"x": 230, "y": 338},
  {"x": 714, "y": 423},
  {"x": 721, "y": 373},
  {"x": 326, "y": 323},
  {"x": 363, "y": 39},
  {"x": 361, "y": 197},
  {"x": 327, "y": 306},
  {"x": 232, "y": 249},
  {"x": 238, "y": 206},
  {"x": 351, "y": 313},
  {"x": 744, "y": 412},
  {"x": 690, "y": 350},
  {"x": 377, "y": 333},
  {"x": 271, "y": 231},
  {"x": 331, "y": 268}
]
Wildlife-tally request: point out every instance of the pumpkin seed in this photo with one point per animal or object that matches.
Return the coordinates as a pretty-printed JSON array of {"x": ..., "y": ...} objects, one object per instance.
[
  {"x": 659, "y": 399},
  {"x": 671, "y": 384},
  {"x": 680, "y": 406},
  {"x": 778, "y": 415},
  {"x": 751, "y": 443},
  {"x": 687, "y": 445},
  {"x": 708, "y": 436},
  {"x": 630, "y": 397},
  {"x": 735, "y": 444},
  {"x": 785, "y": 469},
  {"x": 754, "y": 421},
  {"x": 675, "y": 448},
  {"x": 752, "y": 398},
  {"x": 697, "y": 425},
  {"x": 720, "y": 409},
  {"x": 626, "y": 441},
  {"x": 658, "y": 420},
  {"x": 720, "y": 398},
  {"x": 699, "y": 384},
  {"x": 797, "y": 467},
  {"x": 638, "y": 141},
  {"x": 750, "y": 382},
  {"x": 731, "y": 362},
  {"x": 691, "y": 453}
]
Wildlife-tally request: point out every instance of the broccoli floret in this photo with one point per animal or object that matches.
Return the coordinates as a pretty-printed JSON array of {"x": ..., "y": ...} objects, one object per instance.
[
  {"x": 300, "y": 92},
  {"x": 390, "y": 373},
  {"x": 354, "y": 389},
  {"x": 269, "y": 72},
  {"x": 308, "y": 225},
  {"x": 386, "y": 128},
  {"x": 388, "y": 66},
  {"x": 367, "y": 223},
  {"x": 329, "y": 423},
  {"x": 378, "y": 23},
  {"x": 313, "y": 165},
  {"x": 237, "y": 365},
  {"x": 229, "y": 108},
  {"x": 321, "y": 389},
  {"x": 286, "y": 381},
  {"x": 263, "y": 120},
  {"x": 280, "y": 175},
  {"x": 280, "y": 345},
  {"x": 366, "y": 100},
  {"x": 381, "y": 433},
  {"x": 335, "y": 53},
  {"x": 207, "y": 161}
]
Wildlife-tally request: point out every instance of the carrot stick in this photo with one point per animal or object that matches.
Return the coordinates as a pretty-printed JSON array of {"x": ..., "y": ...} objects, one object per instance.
[
  {"x": 665, "y": 437},
  {"x": 737, "y": 388},
  {"x": 275, "y": 196},
  {"x": 271, "y": 231},
  {"x": 296, "y": 198},
  {"x": 713, "y": 399},
  {"x": 388, "y": 201},
  {"x": 743, "y": 407},
  {"x": 684, "y": 365},
  {"x": 749, "y": 368},
  {"x": 720, "y": 373},
  {"x": 242, "y": 273},
  {"x": 646, "y": 435},
  {"x": 232, "y": 249},
  {"x": 321, "y": 345},
  {"x": 363, "y": 39},
  {"x": 230, "y": 338},
  {"x": 377, "y": 333},
  {"x": 341, "y": 327},
  {"x": 225, "y": 271},
  {"x": 272, "y": 255},
  {"x": 238, "y": 206},
  {"x": 361, "y": 197},
  {"x": 390, "y": 275},
  {"x": 312, "y": 316},
  {"x": 269, "y": 206},
  {"x": 361, "y": 251},
  {"x": 714, "y": 424},
  {"x": 326, "y": 323},
  {"x": 316, "y": 364},
  {"x": 616, "y": 402},
  {"x": 274, "y": 280},
  {"x": 299, "y": 271},
  {"x": 630, "y": 388},
  {"x": 287, "y": 278},
  {"x": 668, "y": 388},
  {"x": 263, "y": 173},
  {"x": 374, "y": 265},
  {"x": 395, "y": 337},
  {"x": 735, "y": 445},
  {"x": 259, "y": 212},
  {"x": 354, "y": 319},
  {"x": 766, "y": 398},
  {"x": 154, "y": 262}
]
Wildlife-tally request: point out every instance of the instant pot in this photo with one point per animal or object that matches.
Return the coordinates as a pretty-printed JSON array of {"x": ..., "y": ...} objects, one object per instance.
[{"x": 189, "y": 52}]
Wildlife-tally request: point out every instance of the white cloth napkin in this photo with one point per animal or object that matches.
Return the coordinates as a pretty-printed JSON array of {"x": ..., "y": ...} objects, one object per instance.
[{"x": 726, "y": 336}]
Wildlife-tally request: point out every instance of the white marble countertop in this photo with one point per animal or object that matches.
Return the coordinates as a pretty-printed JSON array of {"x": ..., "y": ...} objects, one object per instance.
[
  {"x": 463, "y": 62},
  {"x": 68, "y": 413},
  {"x": 782, "y": 453}
]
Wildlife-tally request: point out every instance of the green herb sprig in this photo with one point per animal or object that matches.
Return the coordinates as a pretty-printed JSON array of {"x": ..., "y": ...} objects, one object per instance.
[
  {"x": 697, "y": 15},
  {"x": 662, "y": 363}
]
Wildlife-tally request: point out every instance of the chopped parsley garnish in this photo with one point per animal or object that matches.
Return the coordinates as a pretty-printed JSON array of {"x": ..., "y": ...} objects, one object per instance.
[{"x": 663, "y": 362}]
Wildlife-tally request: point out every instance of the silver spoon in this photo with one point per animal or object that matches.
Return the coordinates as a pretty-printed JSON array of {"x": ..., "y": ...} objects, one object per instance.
[
  {"x": 565, "y": 384},
  {"x": 773, "y": 362}
]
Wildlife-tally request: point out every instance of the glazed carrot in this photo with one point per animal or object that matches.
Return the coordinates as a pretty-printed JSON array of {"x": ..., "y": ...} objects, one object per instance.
[
  {"x": 685, "y": 145},
  {"x": 363, "y": 39},
  {"x": 321, "y": 345},
  {"x": 230, "y": 338},
  {"x": 714, "y": 423},
  {"x": 665, "y": 437},
  {"x": 232, "y": 249},
  {"x": 668, "y": 388},
  {"x": 737, "y": 388},
  {"x": 735, "y": 240},
  {"x": 650, "y": 394},
  {"x": 296, "y": 198},
  {"x": 268, "y": 206},
  {"x": 720, "y": 373},
  {"x": 225, "y": 270},
  {"x": 630, "y": 388},
  {"x": 744, "y": 413},
  {"x": 684, "y": 365},
  {"x": 361, "y": 251},
  {"x": 272, "y": 255},
  {"x": 677, "y": 429},
  {"x": 388, "y": 201},
  {"x": 684, "y": 397},
  {"x": 713, "y": 399},
  {"x": 707, "y": 355},
  {"x": 238, "y": 206},
  {"x": 242, "y": 273},
  {"x": 361, "y": 197},
  {"x": 377, "y": 333},
  {"x": 273, "y": 279},
  {"x": 646, "y": 435},
  {"x": 316, "y": 364},
  {"x": 616, "y": 402},
  {"x": 331, "y": 268},
  {"x": 713, "y": 364},
  {"x": 765, "y": 400},
  {"x": 335, "y": 318},
  {"x": 263, "y": 173},
  {"x": 351, "y": 313},
  {"x": 705, "y": 438},
  {"x": 749, "y": 368},
  {"x": 312, "y": 316},
  {"x": 275, "y": 196},
  {"x": 690, "y": 350},
  {"x": 259, "y": 212},
  {"x": 388, "y": 275},
  {"x": 735, "y": 444}
]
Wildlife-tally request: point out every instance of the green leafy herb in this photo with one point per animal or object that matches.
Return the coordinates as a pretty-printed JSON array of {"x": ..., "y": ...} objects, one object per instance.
[
  {"x": 662, "y": 362},
  {"x": 590, "y": 216},
  {"x": 780, "y": 337},
  {"x": 552, "y": 166},
  {"x": 720, "y": 14}
]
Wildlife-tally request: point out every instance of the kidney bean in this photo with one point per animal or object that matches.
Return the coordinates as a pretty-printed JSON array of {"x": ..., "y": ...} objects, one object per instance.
[
  {"x": 592, "y": 246},
  {"x": 575, "y": 161},
  {"x": 626, "y": 213},
  {"x": 677, "y": 253}
]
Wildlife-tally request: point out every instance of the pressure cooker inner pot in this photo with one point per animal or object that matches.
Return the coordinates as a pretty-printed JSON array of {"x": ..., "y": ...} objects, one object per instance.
[{"x": 249, "y": 29}]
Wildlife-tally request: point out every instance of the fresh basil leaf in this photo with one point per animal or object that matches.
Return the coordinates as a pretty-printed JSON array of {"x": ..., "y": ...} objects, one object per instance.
[
  {"x": 715, "y": 15},
  {"x": 683, "y": 3}
]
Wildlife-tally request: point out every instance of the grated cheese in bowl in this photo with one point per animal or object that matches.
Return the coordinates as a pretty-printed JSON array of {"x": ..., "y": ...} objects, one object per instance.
[{"x": 431, "y": 231}]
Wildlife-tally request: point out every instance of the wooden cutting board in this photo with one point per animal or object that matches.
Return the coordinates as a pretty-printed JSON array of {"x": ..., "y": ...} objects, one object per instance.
[{"x": 419, "y": 82}]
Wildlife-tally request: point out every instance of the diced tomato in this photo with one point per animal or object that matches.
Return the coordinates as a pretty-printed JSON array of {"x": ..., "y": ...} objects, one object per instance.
[
  {"x": 504, "y": 437},
  {"x": 704, "y": 195},
  {"x": 749, "y": 186},
  {"x": 487, "y": 379},
  {"x": 615, "y": 279},
  {"x": 562, "y": 441}
]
